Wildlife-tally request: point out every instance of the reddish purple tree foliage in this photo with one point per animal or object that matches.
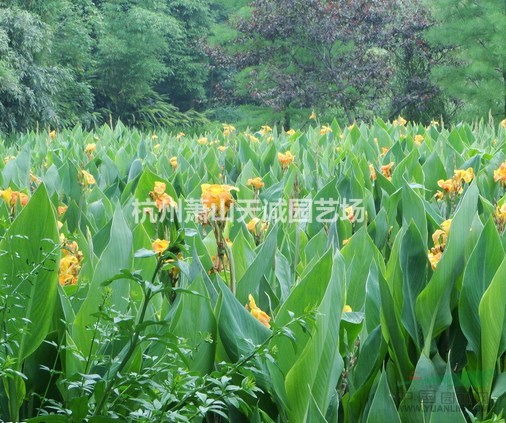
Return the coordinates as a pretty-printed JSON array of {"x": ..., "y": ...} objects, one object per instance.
[{"x": 347, "y": 53}]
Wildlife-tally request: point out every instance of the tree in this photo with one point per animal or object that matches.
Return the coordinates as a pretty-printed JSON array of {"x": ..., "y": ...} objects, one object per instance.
[
  {"x": 29, "y": 85},
  {"x": 132, "y": 44},
  {"x": 414, "y": 94},
  {"x": 304, "y": 53},
  {"x": 475, "y": 33},
  {"x": 186, "y": 60}
]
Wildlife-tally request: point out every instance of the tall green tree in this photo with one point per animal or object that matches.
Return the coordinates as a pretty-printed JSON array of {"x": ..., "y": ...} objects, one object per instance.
[
  {"x": 28, "y": 82},
  {"x": 132, "y": 44},
  {"x": 186, "y": 60},
  {"x": 48, "y": 50},
  {"x": 475, "y": 34}
]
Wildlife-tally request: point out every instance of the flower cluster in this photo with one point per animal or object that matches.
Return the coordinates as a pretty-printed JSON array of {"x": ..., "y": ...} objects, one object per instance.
[
  {"x": 500, "y": 217},
  {"x": 265, "y": 130},
  {"x": 228, "y": 129},
  {"x": 325, "y": 129},
  {"x": 285, "y": 159},
  {"x": 90, "y": 149},
  {"x": 87, "y": 178},
  {"x": 160, "y": 197},
  {"x": 400, "y": 121},
  {"x": 11, "y": 198},
  {"x": 372, "y": 171},
  {"x": 256, "y": 183},
  {"x": 217, "y": 198},
  {"x": 70, "y": 262},
  {"x": 386, "y": 170},
  {"x": 500, "y": 174},
  {"x": 257, "y": 226},
  {"x": 440, "y": 238},
  {"x": 257, "y": 313},
  {"x": 453, "y": 186}
]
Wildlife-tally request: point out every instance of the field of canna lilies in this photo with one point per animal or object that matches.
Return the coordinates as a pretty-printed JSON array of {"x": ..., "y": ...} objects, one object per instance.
[{"x": 327, "y": 275}]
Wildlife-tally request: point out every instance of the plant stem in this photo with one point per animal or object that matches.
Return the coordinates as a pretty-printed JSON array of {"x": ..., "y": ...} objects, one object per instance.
[{"x": 132, "y": 345}]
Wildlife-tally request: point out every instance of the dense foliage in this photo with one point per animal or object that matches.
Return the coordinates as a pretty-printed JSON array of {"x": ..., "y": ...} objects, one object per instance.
[
  {"x": 352, "y": 274},
  {"x": 147, "y": 63}
]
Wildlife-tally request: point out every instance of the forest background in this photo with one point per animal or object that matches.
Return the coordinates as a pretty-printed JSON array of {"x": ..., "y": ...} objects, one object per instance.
[{"x": 197, "y": 63}]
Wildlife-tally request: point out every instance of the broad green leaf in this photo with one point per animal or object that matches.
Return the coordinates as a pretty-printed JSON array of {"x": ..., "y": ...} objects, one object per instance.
[
  {"x": 480, "y": 269},
  {"x": 433, "y": 304},
  {"x": 317, "y": 370},
  {"x": 194, "y": 320},
  {"x": 118, "y": 255},
  {"x": 445, "y": 407},
  {"x": 29, "y": 263},
  {"x": 415, "y": 406},
  {"x": 250, "y": 282},
  {"x": 413, "y": 260},
  {"x": 492, "y": 311},
  {"x": 383, "y": 405}
]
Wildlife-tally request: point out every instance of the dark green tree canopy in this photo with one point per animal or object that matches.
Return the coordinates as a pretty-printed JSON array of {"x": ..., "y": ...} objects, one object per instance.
[{"x": 476, "y": 34}]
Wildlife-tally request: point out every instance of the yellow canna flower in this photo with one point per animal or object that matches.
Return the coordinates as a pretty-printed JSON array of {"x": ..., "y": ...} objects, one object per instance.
[
  {"x": 500, "y": 213},
  {"x": 173, "y": 162},
  {"x": 285, "y": 159},
  {"x": 70, "y": 262},
  {"x": 11, "y": 197},
  {"x": 503, "y": 123},
  {"x": 162, "y": 200},
  {"x": 159, "y": 188},
  {"x": 222, "y": 148},
  {"x": 258, "y": 314},
  {"x": 90, "y": 148},
  {"x": 400, "y": 121},
  {"x": 325, "y": 129},
  {"x": 254, "y": 223},
  {"x": 88, "y": 178},
  {"x": 154, "y": 137},
  {"x": 384, "y": 151},
  {"x": 500, "y": 173},
  {"x": 350, "y": 214},
  {"x": 69, "y": 270},
  {"x": 347, "y": 309},
  {"x": 6, "y": 195},
  {"x": 202, "y": 140},
  {"x": 440, "y": 238},
  {"x": 256, "y": 183},
  {"x": 312, "y": 116},
  {"x": 252, "y": 138},
  {"x": 160, "y": 245},
  {"x": 372, "y": 171},
  {"x": 290, "y": 132},
  {"x": 446, "y": 225},
  {"x": 434, "y": 257},
  {"x": 180, "y": 135},
  {"x": 52, "y": 134},
  {"x": 450, "y": 186},
  {"x": 228, "y": 129},
  {"x": 418, "y": 139},
  {"x": 62, "y": 210},
  {"x": 217, "y": 197},
  {"x": 386, "y": 170},
  {"x": 265, "y": 129},
  {"x": 465, "y": 175}
]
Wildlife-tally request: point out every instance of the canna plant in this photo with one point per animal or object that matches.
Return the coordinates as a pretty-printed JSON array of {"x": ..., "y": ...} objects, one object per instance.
[{"x": 323, "y": 274}]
